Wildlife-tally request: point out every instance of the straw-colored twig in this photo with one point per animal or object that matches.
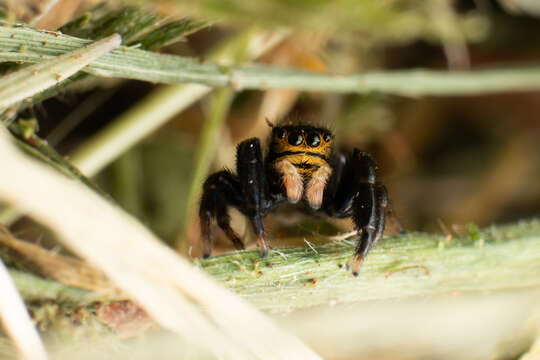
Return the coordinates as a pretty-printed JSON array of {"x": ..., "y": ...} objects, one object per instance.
[
  {"x": 171, "y": 290},
  {"x": 67, "y": 270},
  {"x": 534, "y": 351},
  {"x": 16, "y": 321}
]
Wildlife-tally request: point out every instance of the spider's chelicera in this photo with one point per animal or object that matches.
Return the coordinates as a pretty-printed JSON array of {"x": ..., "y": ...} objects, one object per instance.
[{"x": 300, "y": 167}]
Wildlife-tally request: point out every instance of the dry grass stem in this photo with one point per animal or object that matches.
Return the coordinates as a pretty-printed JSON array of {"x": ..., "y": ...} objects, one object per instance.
[
  {"x": 67, "y": 270},
  {"x": 170, "y": 289},
  {"x": 16, "y": 320}
]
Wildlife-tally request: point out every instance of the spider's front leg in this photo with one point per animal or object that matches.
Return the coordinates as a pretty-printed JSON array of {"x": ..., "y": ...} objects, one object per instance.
[
  {"x": 246, "y": 192},
  {"x": 354, "y": 191},
  {"x": 369, "y": 205},
  {"x": 251, "y": 174}
]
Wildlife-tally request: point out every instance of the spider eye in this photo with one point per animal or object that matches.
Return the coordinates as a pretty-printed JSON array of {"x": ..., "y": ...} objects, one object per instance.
[
  {"x": 295, "y": 138},
  {"x": 281, "y": 133},
  {"x": 313, "y": 139},
  {"x": 327, "y": 137}
]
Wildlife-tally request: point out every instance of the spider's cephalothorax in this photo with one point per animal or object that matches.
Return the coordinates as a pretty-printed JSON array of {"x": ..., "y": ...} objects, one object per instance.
[{"x": 300, "y": 166}]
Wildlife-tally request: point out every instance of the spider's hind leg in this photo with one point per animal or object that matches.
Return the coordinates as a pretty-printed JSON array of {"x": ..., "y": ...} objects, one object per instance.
[
  {"x": 369, "y": 206},
  {"x": 220, "y": 190}
]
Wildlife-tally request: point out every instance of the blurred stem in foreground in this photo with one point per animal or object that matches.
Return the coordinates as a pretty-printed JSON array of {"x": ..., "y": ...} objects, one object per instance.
[
  {"x": 219, "y": 106},
  {"x": 127, "y": 181},
  {"x": 16, "y": 321}
]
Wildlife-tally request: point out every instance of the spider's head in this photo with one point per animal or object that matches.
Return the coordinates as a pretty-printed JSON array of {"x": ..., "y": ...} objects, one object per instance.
[
  {"x": 305, "y": 147},
  {"x": 300, "y": 154},
  {"x": 305, "y": 139}
]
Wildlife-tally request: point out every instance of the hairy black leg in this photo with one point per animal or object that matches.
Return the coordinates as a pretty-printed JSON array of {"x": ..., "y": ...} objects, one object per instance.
[
  {"x": 219, "y": 190},
  {"x": 251, "y": 175},
  {"x": 224, "y": 222},
  {"x": 333, "y": 198},
  {"x": 369, "y": 206}
]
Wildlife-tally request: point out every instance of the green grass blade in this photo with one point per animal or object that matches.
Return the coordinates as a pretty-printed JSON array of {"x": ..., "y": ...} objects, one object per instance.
[
  {"x": 144, "y": 65},
  {"x": 34, "y": 79},
  {"x": 415, "y": 264}
]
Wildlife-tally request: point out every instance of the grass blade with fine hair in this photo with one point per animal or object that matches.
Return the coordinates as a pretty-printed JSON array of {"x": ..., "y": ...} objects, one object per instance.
[
  {"x": 34, "y": 79},
  {"x": 143, "y": 65},
  {"x": 415, "y": 264}
]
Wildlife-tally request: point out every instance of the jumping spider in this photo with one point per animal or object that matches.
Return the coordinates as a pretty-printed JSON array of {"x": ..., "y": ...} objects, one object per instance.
[{"x": 300, "y": 166}]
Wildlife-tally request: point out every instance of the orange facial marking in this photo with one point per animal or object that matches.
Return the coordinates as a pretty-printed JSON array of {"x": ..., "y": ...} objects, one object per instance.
[{"x": 308, "y": 140}]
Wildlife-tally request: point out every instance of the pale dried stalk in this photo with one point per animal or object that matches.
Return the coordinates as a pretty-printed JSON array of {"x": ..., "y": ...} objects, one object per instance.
[
  {"x": 458, "y": 325},
  {"x": 67, "y": 270},
  {"x": 148, "y": 271},
  {"x": 16, "y": 320}
]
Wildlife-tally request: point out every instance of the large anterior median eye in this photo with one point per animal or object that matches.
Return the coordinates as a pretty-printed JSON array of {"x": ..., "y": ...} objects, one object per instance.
[
  {"x": 313, "y": 139},
  {"x": 295, "y": 138}
]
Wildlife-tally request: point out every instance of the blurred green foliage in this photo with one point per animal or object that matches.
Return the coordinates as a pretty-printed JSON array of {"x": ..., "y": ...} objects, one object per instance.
[
  {"x": 370, "y": 20},
  {"x": 151, "y": 182}
]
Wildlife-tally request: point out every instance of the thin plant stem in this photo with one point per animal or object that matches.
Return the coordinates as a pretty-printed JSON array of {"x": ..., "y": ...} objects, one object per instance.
[
  {"x": 16, "y": 320},
  {"x": 131, "y": 63},
  {"x": 209, "y": 143},
  {"x": 32, "y": 80}
]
